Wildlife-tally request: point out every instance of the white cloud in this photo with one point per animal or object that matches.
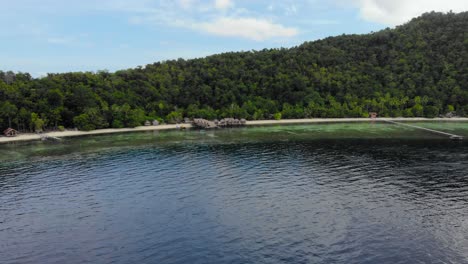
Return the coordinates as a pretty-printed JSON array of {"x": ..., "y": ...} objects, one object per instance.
[
  {"x": 216, "y": 17},
  {"x": 235, "y": 22},
  {"x": 395, "y": 12},
  {"x": 249, "y": 28},
  {"x": 223, "y": 4}
]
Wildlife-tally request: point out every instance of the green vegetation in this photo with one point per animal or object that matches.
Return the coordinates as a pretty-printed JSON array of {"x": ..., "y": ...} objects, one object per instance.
[{"x": 417, "y": 69}]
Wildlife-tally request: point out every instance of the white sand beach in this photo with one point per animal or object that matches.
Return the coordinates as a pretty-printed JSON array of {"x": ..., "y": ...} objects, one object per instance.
[
  {"x": 63, "y": 134},
  {"x": 72, "y": 133}
]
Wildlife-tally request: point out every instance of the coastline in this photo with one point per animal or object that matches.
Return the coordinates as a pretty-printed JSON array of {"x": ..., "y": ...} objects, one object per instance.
[
  {"x": 350, "y": 120},
  {"x": 64, "y": 134}
]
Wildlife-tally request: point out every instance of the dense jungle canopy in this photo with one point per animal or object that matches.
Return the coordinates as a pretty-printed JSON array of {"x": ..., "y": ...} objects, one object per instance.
[{"x": 419, "y": 69}]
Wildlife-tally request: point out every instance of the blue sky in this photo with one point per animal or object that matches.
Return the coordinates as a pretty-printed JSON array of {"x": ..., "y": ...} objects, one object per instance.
[{"x": 89, "y": 35}]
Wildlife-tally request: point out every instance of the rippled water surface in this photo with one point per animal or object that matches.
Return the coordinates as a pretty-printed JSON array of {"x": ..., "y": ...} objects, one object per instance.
[{"x": 341, "y": 193}]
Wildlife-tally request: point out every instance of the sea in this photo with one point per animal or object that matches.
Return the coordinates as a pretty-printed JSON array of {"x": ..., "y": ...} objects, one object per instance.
[{"x": 316, "y": 193}]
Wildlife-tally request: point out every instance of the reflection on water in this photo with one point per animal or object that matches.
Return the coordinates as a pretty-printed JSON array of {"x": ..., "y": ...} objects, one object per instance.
[{"x": 359, "y": 194}]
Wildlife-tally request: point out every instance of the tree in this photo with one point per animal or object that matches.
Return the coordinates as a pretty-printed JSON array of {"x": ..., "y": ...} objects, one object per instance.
[
  {"x": 8, "y": 110},
  {"x": 174, "y": 117},
  {"x": 277, "y": 116},
  {"x": 90, "y": 120},
  {"x": 83, "y": 122},
  {"x": 24, "y": 118},
  {"x": 55, "y": 98},
  {"x": 418, "y": 110},
  {"x": 37, "y": 123},
  {"x": 431, "y": 111},
  {"x": 136, "y": 118},
  {"x": 416, "y": 69},
  {"x": 54, "y": 116}
]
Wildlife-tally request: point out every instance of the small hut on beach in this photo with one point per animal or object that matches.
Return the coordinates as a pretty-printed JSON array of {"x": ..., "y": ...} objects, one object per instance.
[
  {"x": 373, "y": 115},
  {"x": 155, "y": 123},
  {"x": 147, "y": 123},
  {"x": 10, "y": 132}
]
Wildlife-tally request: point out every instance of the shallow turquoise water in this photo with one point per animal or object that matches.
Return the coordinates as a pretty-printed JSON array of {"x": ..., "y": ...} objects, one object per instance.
[
  {"x": 458, "y": 128},
  {"x": 371, "y": 131}
]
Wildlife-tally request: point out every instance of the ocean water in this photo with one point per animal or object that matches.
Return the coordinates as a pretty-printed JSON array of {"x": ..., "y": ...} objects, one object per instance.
[{"x": 335, "y": 193}]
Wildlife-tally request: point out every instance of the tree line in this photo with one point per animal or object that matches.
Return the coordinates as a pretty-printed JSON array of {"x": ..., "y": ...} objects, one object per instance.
[{"x": 419, "y": 69}]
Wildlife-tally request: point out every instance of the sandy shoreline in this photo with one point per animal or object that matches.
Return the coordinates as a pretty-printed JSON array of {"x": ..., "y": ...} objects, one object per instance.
[
  {"x": 58, "y": 134},
  {"x": 63, "y": 134}
]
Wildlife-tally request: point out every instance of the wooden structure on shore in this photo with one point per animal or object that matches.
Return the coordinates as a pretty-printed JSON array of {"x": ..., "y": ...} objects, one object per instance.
[
  {"x": 225, "y": 122},
  {"x": 230, "y": 122},
  {"x": 203, "y": 123},
  {"x": 10, "y": 132}
]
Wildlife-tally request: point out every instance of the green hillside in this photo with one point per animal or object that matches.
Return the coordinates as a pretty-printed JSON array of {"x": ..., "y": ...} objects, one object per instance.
[{"x": 417, "y": 69}]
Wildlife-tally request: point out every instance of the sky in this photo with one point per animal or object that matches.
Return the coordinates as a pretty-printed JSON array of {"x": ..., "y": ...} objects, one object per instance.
[{"x": 52, "y": 36}]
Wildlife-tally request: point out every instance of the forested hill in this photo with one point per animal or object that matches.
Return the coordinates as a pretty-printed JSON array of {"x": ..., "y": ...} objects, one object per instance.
[{"x": 417, "y": 69}]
